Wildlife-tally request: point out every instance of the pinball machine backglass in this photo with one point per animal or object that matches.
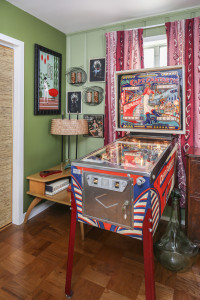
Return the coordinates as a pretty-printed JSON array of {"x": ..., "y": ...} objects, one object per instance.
[{"x": 151, "y": 100}]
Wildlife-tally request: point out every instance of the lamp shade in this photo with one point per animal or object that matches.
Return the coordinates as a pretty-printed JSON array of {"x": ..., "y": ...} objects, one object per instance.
[{"x": 69, "y": 127}]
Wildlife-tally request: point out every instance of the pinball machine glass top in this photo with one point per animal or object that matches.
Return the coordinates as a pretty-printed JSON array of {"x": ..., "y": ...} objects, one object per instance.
[{"x": 130, "y": 153}]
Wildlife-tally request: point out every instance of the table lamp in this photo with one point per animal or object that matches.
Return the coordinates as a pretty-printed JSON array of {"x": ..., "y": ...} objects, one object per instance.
[{"x": 69, "y": 127}]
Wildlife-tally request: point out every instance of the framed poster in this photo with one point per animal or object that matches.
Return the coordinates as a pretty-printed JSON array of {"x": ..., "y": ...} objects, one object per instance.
[
  {"x": 95, "y": 125},
  {"x": 97, "y": 69},
  {"x": 151, "y": 100},
  {"x": 47, "y": 89},
  {"x": 74, "y": 105}
]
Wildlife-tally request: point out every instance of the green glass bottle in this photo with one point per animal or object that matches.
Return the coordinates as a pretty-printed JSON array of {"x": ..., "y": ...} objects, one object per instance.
[{"x": 174, "y": 250}]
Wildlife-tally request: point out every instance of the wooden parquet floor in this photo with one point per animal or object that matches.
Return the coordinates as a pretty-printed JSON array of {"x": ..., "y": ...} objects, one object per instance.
[{"x": 107, "y": 266}]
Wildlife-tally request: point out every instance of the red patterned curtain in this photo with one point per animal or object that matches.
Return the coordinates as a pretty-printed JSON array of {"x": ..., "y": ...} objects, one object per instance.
[
  {"x": 183, "y": 41},
  {"x": 124, "y": 51}
]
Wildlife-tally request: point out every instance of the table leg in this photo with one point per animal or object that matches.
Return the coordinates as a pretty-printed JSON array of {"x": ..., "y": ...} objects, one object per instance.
[
  {"x": 31, "y": 206},
  {"x": 148, "y": 257},
  {"x": 68, "y": 290}
]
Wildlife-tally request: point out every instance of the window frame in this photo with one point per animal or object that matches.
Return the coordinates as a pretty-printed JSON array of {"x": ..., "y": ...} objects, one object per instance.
[{"x": 155, "y": 42}]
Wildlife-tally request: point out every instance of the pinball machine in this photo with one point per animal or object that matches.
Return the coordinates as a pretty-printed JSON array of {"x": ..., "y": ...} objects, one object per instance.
[{"x": 124, "y": 186}]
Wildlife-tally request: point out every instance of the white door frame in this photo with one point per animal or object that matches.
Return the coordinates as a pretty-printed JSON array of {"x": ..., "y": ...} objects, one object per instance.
[{"x": 18, "y": 128}]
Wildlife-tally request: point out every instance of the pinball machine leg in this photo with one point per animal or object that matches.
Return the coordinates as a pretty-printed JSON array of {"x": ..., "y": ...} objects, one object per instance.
[
  {"x": 68, "y": 290},
  {"x": 148, "y": 257}
]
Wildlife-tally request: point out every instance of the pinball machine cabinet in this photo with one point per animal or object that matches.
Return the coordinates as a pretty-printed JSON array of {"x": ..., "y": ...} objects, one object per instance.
[
  {"x": 124, "y": 186},
  {"x": 115, "y": 185}
]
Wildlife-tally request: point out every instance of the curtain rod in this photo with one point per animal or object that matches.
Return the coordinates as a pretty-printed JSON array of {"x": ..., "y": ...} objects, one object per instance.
[
  {"x": 152, "y": 26},
  {"x": 144, "y": 27}
]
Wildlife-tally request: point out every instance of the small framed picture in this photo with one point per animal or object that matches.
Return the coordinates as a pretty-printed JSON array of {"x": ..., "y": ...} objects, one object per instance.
[
  {"x": 95, "y": 125},
  {"x": 74, "y": 103},
  {"x": 97, "y": 69},
  {"x": 47, "y": 87}
]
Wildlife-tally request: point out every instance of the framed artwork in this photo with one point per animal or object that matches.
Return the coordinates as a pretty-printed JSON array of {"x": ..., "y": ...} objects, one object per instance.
[
  {"x": 95, "y": 125},
  {"x": 151, "y": 100},
  {"x": 74, "y": 105},
  {"x": 97, "y": 69},
  {"x": 47, "y": 89}
]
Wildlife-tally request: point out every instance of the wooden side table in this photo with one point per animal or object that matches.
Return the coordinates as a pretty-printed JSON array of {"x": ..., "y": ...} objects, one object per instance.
[
  {"x": 193, "y": 194},
  {"x": 37, "y": 189}
]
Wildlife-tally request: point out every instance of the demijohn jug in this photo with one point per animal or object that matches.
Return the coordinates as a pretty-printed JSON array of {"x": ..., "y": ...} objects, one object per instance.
[{"x": 174, "y": 250}]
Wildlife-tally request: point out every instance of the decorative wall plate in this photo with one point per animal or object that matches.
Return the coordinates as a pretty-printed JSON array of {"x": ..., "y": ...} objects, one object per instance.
[
  {"x": 76, "y": 76},
  {"x": 93, "y": 95}
]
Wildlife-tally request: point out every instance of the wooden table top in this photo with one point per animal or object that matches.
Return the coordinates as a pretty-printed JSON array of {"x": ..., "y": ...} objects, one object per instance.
[
  {"x": 37, "y": 177},
  {"x": 193, "y": 152}
]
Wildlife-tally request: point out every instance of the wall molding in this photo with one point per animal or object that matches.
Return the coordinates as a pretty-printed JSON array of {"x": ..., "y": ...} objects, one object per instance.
[
  {"x": 18, "y": 128},
  {"x": 165, "y": 218},
  {"x": 39, "y": 208}
]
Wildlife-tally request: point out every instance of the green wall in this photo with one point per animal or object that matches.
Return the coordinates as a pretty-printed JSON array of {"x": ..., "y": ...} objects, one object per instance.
[
  {"x": 85, "y": 45},
  {"x": 82, "y": 46},
  {"x": 41, "y": 150}
]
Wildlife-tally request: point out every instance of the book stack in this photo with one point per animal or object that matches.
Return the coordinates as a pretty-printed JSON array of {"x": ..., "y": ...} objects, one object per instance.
[{"x": 54, "y": 187}]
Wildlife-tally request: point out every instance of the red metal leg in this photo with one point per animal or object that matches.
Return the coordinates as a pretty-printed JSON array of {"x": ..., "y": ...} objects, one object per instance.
[
  {"x": 148, "y": 257},
  {"x": 68, "y": 290}
]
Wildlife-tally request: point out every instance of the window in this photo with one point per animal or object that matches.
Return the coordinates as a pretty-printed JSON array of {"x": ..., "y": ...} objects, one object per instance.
[{"x": 155, "y": 51}]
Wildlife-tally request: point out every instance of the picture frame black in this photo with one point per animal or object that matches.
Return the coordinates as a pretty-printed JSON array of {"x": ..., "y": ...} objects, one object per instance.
[
  {"x": 95, "y": 125},
  {"x": 47, "y": 81},
  {"x": 74, "y": 103},
  {"x": 97, "y": 69}
]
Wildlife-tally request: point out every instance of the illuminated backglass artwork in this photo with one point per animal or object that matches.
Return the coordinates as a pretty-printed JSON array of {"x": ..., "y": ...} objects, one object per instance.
[{"x": 151, "y": 100}]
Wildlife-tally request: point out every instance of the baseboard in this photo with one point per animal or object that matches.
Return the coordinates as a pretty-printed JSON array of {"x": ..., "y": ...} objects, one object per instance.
[
  {"x": 39, "y": 208},
  {"x": 165, "y": 218}
]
